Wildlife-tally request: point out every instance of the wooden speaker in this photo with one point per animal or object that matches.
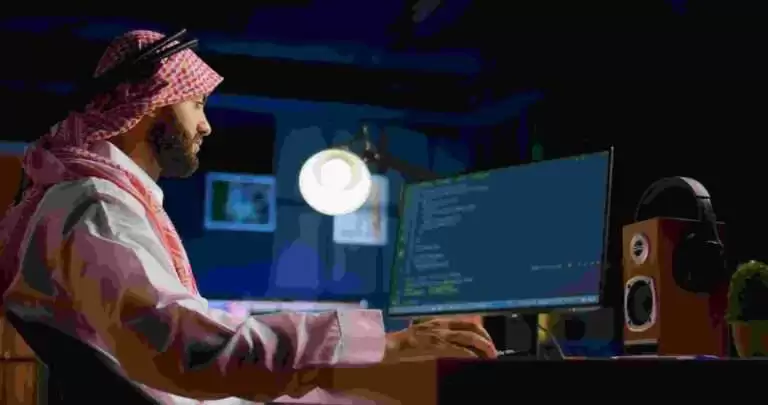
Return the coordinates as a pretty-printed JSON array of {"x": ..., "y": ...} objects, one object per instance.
[{"x": 659, "y": 316}]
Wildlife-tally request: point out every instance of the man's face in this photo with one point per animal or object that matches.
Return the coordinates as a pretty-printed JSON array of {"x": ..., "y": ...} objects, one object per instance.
[{"x": 178, "y": 134}]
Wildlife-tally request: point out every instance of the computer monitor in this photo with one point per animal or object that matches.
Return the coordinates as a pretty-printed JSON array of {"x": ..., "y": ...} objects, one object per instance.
[
  {"x": 240, "y": 202},
  {"x": 528, "y": 238}
]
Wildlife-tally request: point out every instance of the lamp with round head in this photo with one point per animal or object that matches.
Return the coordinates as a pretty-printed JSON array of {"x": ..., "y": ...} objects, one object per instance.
[{"x": 335, "y": 182}]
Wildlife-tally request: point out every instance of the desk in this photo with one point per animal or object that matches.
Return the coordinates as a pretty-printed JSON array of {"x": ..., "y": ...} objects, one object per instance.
[{"x": 448, "y": 382}]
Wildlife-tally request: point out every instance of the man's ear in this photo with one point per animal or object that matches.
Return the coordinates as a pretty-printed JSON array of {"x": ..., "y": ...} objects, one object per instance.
[{"x": 161, "y": 114}]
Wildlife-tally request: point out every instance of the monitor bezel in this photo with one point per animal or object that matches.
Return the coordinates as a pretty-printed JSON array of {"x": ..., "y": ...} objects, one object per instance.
[{"x": 519, "y": 310}]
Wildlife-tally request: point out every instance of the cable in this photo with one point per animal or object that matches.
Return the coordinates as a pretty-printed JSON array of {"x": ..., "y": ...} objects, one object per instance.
[
  {"x": 555, "y": 342},
  {"x": 553, "y": 338}
]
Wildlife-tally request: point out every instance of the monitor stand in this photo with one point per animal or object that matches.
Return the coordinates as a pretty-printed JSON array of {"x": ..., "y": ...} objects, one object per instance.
[{"x": 517, "y": 335}]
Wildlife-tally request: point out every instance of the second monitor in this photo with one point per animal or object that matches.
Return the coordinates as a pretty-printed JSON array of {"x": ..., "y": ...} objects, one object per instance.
[{"x": 521, "y": 238}]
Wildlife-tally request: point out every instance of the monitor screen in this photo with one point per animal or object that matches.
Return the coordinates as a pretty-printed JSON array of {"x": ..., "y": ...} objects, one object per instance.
[
  {"x": 240, "y": 202},
  {"x": 523, "y": 238},
  {"x": 368, "y": 225}
]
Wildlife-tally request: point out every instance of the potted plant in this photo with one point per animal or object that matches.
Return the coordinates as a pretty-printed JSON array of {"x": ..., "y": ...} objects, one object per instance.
[{"x": 748, "y": 309}]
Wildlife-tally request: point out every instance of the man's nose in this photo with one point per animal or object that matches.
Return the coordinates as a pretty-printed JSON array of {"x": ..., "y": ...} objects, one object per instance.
[{"x": 204, "y": 128}]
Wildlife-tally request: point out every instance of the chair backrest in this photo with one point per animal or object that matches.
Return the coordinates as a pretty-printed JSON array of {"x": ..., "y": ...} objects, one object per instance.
[
  {"x": 78, "y": 373},
  {"x": 22, "y": 375}
]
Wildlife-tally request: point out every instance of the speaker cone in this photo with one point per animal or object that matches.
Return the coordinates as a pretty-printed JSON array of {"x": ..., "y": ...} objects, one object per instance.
[{"x": 640, "y": 303}]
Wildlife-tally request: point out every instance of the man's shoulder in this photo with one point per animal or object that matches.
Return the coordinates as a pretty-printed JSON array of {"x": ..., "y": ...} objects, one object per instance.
[
  {"x": 73, "y": 193},
  {"x": 85, "y": 187}
]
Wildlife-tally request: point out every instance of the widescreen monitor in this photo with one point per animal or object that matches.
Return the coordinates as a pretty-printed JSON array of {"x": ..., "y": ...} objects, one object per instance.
[{"x": 527, "y": 238}]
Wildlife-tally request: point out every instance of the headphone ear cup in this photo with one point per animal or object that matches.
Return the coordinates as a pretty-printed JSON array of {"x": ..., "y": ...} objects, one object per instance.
[
  {"x": 684, "y": 263},
  {"x": 714, "y": 254},
  {"x": 698, "y": 264}
]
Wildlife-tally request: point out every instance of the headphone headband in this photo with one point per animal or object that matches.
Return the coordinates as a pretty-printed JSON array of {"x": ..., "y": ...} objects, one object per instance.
[
  {"x": 137, "y": 66},
  {"x": 706, "y": 214}
]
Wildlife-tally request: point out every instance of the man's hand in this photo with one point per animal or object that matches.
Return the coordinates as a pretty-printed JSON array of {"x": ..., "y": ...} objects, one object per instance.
[{"x": 460, "y": 337}]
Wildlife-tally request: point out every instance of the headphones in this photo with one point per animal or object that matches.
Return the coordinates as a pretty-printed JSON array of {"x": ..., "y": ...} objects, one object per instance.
[
  {"x": 699, "y": 257},
  {"x": 139, "y": 66}
]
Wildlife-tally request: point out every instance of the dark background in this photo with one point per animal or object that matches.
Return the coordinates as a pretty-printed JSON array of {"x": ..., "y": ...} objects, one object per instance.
[{"x": 677, "y": 87}]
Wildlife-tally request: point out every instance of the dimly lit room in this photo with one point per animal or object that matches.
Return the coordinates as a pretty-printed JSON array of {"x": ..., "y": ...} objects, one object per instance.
[{"x": 381, "y": 202}]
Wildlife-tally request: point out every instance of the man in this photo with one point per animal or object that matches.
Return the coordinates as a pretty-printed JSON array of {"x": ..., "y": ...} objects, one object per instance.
[{"x": 91, "y": 253}]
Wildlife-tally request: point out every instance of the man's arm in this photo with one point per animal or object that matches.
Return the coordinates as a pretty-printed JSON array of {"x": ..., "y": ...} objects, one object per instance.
[{"x": 123, "y": 283}]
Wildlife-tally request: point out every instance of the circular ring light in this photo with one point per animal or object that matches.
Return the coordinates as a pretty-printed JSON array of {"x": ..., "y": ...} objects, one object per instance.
[{"x": 335, "y": 182}]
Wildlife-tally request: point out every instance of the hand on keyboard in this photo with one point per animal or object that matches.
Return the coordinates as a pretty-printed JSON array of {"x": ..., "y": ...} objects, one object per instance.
[{"x": 441, "y": 338}]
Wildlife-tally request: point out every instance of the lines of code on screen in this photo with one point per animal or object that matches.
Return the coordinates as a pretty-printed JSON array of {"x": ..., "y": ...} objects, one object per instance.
[{"x": 521, "y": 237}]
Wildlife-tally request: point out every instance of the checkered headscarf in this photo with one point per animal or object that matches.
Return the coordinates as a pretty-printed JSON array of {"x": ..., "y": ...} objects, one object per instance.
[{"x": 62, "y": 154}]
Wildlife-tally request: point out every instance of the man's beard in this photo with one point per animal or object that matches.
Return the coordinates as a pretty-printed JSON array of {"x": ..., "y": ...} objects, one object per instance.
[{"x": 174, "y": 149}]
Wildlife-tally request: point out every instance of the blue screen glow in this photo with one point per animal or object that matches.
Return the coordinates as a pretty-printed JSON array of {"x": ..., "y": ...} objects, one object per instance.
[
  {"x": 524, "y": 237},
  {"x": 240, "y": 202}
]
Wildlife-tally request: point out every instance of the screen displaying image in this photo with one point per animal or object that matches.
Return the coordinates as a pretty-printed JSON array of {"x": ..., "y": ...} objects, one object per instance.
[
  {"x": 240, "y": 202},
  {"x": 538, "y": 232},
  {"x": 368, "y": 225}
]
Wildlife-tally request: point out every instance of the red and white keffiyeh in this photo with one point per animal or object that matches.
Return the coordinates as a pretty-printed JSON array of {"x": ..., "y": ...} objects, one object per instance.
[{"x": 62, "y": 154}]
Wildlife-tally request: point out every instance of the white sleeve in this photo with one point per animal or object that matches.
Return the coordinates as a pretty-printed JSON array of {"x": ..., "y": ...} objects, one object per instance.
[{"x": 119, "y": 279}]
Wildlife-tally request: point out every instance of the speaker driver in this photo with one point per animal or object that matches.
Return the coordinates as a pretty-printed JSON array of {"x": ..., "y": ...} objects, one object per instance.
[{"x": 640, "y": 303}]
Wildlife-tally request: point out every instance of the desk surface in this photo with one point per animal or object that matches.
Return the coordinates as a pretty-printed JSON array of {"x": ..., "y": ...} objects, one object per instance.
[{"x": 473, "y": 382}]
